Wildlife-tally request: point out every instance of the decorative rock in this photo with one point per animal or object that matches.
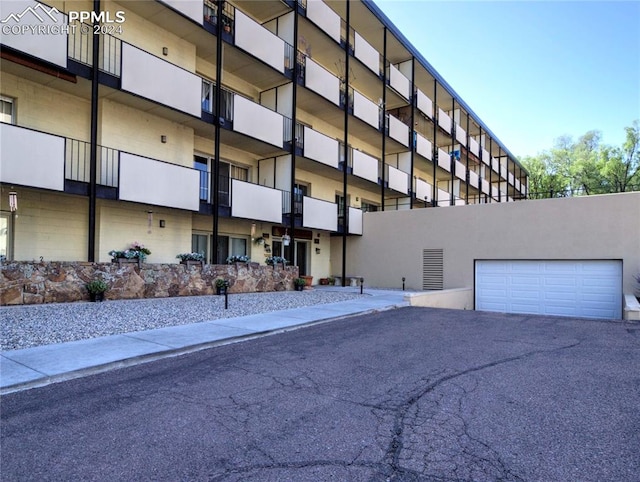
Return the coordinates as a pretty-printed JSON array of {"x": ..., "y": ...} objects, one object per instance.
[{"x": 57, "y": 282}]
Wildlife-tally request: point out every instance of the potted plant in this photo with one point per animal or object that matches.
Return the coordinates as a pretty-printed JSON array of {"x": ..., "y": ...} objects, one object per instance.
[
  {"x": 238, "y": 259},
  {"x": 332, "y": 280},
  {"x": 299, "y": 284},
  {"x": 276, "y": 260},
  {"x": 220, "y": 285},
  {"x": 136, "y": 253},
  {"x": 97, "y": 289},
  {"x": 191, "y": 259}
]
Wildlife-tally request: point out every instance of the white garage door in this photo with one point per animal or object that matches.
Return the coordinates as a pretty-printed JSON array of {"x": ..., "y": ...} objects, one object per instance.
[{"x": 590, "y": 289}]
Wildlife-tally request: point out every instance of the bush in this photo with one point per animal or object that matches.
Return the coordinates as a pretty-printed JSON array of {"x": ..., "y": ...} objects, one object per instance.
[{"x": 97, "y": 286}]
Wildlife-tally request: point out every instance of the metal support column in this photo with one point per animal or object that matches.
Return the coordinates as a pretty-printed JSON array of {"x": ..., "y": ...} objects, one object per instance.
[{"x": 93, "y": 159}]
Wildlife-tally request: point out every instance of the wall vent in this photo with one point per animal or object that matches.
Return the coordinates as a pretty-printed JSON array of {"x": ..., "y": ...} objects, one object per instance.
[{"x": 432, "y": 269}]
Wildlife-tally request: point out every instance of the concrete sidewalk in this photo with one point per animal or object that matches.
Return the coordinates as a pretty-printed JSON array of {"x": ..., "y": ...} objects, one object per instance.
[{"x": 42, "y": 365}]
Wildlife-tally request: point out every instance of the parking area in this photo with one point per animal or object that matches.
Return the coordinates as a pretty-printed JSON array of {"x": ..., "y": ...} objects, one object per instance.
[{"x": 405, "y": 394}]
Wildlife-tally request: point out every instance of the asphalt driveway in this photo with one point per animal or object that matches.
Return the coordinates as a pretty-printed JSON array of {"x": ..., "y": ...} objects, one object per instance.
[{"x": 408, "y": 394}]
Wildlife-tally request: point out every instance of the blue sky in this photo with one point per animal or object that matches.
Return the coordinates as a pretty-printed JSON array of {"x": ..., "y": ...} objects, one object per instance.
[{"x": 533, "y": 70}]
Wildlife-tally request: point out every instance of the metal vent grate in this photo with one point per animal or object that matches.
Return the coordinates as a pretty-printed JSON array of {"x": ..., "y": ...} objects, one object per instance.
[{"x": 432, "y": 269}]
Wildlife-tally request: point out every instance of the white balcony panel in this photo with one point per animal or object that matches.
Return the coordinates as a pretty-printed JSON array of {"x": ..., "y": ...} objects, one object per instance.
[
  {"x": 399, "y": 131},
  {"x": 460, "y": 202},
  {"x": 461, "y": 135},
  {"x": 319, "y": 214},
  {"x": 511, "y": 178},
  {"x": 325, "y": 18},
  {"x": 474, "y": 147},
  {"x": 485, "y": 186},
  {"x": 460, "y": 170},
  {"x": 444, "y": 160},
  {"x": 399, "y": 82},
  {"x": 189, "y": 8},
  {"x": 365, "y": 166},
  {"x": 161, "y": 81},
  {"x": 321, "y": 148},
  {"x": 258, "y": 41},
  {"x": 149, "y": 181},
  {"x": 15, "y": 34},
  {"x": 444, "y": 120},
  {"x": 355, "y": 220},
  {"x": 473, "y": 179},
  {"x": 321, "y": 81},
  {"x": 423, "y": 190},
  {"x": 494, "y": 192},
  {"x": 398, "y": 180},
  {"x": 257, "y": 121},
  {"x": 486, "y": 157},
  {"x": 366, "y": 110},
  {"x": 367, "y": 54},
  {"x": 425, "y": 104},
  {"x": 517, "y": 184},
  {"x": 31, "y": 158},
  {"x": 503, "y": 172},
  {"x": 444, "y": 198},
  {"x": 252, "y": 201},
  {"x": 495, "y": 164},
  {"x": 424, "y": 147}
]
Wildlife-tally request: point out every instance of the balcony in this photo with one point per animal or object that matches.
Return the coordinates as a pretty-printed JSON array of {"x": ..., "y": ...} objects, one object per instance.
[
  {"x": 319, "y": 214},
  {"x": 355, "y": 221},
  {"x": 424, "y": 104},
  {"x": 423, "y": 146},
  {"x": 365, "y": 166},
  {"x": 486, "y": 157},
  {"x": 460, "y": 170},
  {"x": 397, "y": 180},
  {"x": 444, "y": 198},
  {"x": 398, "y": 130},
  {"x": 318, "y": 79},
  {"x": 444, "y": 160},
  {"x": 473, "y": 179},
  {"x": 474, "y": 147},
  {"x": 367, "y": 54},
  {"x": 51, "y": 48},
  {"x": 32, "y": 158},
  {"x": 252, "y": 201},
  {"x": 259, "y": 42},
  {"x": 485, "y": 186},
  {"x": 325, "y": 18},
  {"x": 444, "y": 121},
  {"x": 321, "y": 148},
  {"x": 192, "y": 10},
  {"x": 461, "y": 135},
  {"x": 366, "y": 110},
  {"x": 423, "y": 190},
  {"x": 399, "y": 82},
  {"x": 141, "y": 73},
  {"x": 37, "y": 159}
]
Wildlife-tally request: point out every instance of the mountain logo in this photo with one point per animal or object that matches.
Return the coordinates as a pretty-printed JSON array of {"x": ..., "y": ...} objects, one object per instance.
[{"x": 44, "y": 11}]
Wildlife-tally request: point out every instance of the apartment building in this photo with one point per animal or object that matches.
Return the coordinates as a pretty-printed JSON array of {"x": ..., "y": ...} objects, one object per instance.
[{"x": 230, "y": 128}]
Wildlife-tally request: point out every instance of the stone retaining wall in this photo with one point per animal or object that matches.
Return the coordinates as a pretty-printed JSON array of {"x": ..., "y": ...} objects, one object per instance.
[{"x": 59, "y": 282}]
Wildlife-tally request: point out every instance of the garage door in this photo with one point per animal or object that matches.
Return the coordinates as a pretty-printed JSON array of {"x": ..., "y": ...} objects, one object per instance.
[{"x": 591, "y": 289}]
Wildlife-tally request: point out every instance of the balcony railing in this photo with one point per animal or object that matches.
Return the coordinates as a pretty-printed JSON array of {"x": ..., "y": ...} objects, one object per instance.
[
  {"x": 208, "y": 100},
  {"x": 80, "y": 49},
  {"x": 78, "y": 158},
  {"x": 299, "y": 132}
]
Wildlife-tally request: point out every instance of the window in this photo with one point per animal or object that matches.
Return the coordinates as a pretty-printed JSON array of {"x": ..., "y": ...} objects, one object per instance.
[
  {"x": 227, "y": 246},
  {"x": 227, "y": 172},
  {"x": 7, "y": 114},
  {"x": 368, "y": 207}
]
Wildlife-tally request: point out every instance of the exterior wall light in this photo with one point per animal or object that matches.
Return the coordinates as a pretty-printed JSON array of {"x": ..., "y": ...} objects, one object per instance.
[{"x": 13, "y": 201}]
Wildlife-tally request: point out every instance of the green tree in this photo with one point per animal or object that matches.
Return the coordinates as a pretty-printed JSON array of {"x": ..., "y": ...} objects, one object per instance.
[{"x": 586, "y": 166}]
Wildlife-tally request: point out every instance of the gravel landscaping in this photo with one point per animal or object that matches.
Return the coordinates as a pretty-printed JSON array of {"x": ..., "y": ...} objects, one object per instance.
[{"x": 35, "y": 325}]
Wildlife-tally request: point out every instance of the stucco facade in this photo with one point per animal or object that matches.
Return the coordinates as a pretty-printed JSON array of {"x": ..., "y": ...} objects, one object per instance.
[{"x": 595, "y": 227}]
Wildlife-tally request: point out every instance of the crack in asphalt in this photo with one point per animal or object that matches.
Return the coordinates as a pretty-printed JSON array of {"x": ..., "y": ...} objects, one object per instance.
[{"x": 396, "y": 445}]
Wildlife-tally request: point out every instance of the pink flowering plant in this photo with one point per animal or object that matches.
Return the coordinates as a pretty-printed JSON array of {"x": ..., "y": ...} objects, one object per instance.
[{"x": 135, "y": 251}]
